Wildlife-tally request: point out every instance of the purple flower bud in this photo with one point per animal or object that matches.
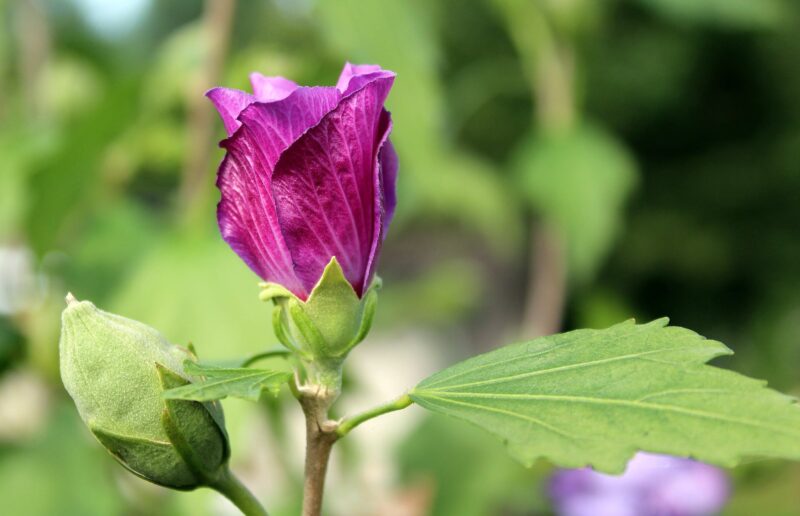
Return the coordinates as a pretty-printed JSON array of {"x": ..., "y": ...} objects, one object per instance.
[
  {"x": 309, "y": 175},
  {"x": 656, "y": 485}
]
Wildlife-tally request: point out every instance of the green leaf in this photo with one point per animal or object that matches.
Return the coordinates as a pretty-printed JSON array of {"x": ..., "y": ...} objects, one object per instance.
[
  {"x": 594, "y": 397},
  {"x": 579, "y": 182},
  {"x": 221, "y": 382}
]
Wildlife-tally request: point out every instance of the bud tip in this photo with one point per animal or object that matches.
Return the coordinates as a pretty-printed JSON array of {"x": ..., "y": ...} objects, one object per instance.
[{"x": 70, "y": 299}]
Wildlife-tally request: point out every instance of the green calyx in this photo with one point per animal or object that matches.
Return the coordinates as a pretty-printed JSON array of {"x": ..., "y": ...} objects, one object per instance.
[
  {"x": 332, "y": 321},
  {"x": 116, "y": 370}
]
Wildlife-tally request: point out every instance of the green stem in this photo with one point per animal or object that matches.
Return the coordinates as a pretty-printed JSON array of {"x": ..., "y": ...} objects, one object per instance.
[
  {"x": 267, "y": 354},
  {"x": 232, "y": 489},
  {"x": 348, "y": 424}
]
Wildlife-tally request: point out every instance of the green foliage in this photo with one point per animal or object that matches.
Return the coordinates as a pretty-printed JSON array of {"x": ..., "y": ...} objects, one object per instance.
[
  {"x": 579, "y": 181},
  {"x": 465, "y": 474},
  {"x": 220, "y": 382},
  {"x": 438, "y": 295},
  {"x": 18, "y": 146},
  {"x": 111, "y": 245},
  {"x": 205, "y": 295},
  {"x": 594, "y": 397},
  {"x": 50, "y": 473},
  {"x": 725, "y": 13},
  {"x": 64, "y": 181}
]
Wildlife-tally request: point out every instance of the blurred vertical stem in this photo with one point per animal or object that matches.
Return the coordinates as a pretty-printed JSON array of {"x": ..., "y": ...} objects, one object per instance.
[
  {"x": 548, "y": 58},
  {"x": 217, "y": 21},
  {"x": 547, "y": 282},
  {"x": 554, "y": 91},
  {"x": 33, "y": 32}
]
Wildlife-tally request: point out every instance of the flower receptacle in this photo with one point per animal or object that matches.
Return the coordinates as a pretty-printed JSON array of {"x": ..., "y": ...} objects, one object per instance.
[{"x": 330, "y": 323}]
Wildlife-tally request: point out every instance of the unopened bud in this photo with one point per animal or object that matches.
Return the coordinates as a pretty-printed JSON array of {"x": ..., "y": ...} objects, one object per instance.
[{"x": 116, "y": 370}]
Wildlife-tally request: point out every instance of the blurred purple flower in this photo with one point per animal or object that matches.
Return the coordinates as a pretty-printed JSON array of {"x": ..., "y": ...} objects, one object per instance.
[
  {"x": 309, "y": 174},
  {"x": 652, "y": 485}
]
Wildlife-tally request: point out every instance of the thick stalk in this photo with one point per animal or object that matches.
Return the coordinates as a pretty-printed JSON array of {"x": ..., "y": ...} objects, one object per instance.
[
  {"x": 232, "y": 489},
  {"x": 322, "y": 433},
  {"x": 323, "y": 384},
  {"x": 320, "y": 436},
  {"x": 318, "y": 452},
  {"x": 217, "y": 21}
]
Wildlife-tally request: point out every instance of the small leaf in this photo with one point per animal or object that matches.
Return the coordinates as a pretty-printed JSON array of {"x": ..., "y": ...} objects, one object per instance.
[
  {"x": 221, "y": 382},
  {"x": 594, "y": 397}
]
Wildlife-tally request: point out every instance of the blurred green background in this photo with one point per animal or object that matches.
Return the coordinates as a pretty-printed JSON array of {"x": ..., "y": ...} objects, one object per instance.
[{"x": 564, "y": 163}]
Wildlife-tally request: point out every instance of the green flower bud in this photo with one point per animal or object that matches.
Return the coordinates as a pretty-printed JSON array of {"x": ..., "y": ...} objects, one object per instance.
[
  {"x": 116, "y": 370},
  {"x": 325, "y": 327}
]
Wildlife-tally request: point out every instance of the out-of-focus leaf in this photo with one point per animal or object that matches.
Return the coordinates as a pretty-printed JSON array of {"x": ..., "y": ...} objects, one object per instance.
[
  {"x": 68, "y": 87},
  {"x": 193, "y": 288},
  {"x": 50, "y": 475},
  {"x": 19, "y": 145},
  {"x": 724, "y": 13},
  {"x": 579, "y": 181},
  {"x": 221, "y": 382},
  {"x": 634, "y": 75},
  {"x": 442, "y": 294},
  {"x": 594, "y": 397},
  {"x": 65, "y": 180},
  {"x": 766, "y": 489},
  {"x": 464, "y": 474},
  {"x": 176, "y": 65},
  {"x": 111, "y": 244}
]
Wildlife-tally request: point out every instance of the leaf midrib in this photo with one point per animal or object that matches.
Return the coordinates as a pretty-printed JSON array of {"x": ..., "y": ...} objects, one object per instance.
[
  {"x": 600, "y": 401},
  {"x": 558, "y": 369},
  {"x": 525, "y": 356},
  {"x": 258, "y": 376}
]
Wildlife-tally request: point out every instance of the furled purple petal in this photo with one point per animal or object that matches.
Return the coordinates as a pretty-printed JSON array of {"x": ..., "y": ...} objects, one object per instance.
[
  {"x": 229, "y": 104},
  {"x": 246, "y": 213},
  {"x": 354, "y": 77},
  {"x": 389, "y": 166},
  {"x": 381, "y": 222},
  {"x": 326, "y": 185},
  {"x": 270, "y": 89}
]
